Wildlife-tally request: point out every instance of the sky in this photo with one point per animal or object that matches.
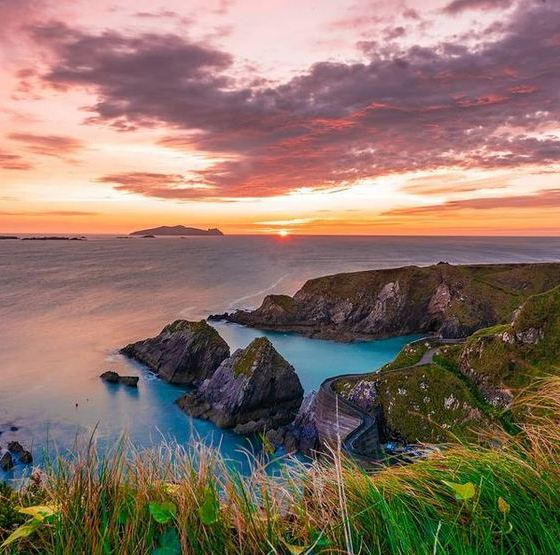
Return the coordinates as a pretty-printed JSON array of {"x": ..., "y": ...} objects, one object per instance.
[{"x": 409, "y": 117}]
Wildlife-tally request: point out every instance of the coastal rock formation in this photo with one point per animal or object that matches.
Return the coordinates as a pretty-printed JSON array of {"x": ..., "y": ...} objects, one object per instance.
[
  {"x": 114, "y": 377},
  {"x": 253, "y": 390},
  {"x": 183, "y": 353},
  {"x": 22, "y": 454},
  {"x": 302, "y": 434},
  {"x": 453, "y": 301},
  {"x": 6, "y": 461},
  {"x": 177, "y": 231},
  {"x": 503, "y": 359}
]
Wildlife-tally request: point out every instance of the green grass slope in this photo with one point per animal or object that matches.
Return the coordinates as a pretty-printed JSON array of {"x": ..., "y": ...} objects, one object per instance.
[
  {"x": 503, "y": 359},
  {"x": 463, "y": 500}
]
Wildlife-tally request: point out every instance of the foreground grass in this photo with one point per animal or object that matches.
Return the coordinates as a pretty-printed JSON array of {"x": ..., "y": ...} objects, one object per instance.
[{"x": 464, "y": 500}]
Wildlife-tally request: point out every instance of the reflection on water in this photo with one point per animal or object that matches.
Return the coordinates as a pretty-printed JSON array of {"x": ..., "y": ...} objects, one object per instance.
[{"x": 66, "y": 308}]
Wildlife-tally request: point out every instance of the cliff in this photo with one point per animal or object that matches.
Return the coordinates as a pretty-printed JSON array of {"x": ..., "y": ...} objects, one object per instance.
[
  {"x": 453, "y": 301},
  {"x": 183, "y": 353},
  {"x": 253, "y": 390},
  {"x": 435, "y": 392},
  {"x": 177, "y": 230}
]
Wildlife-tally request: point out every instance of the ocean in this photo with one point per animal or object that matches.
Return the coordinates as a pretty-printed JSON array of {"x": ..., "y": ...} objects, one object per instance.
[{"x": 66, "y": 307}]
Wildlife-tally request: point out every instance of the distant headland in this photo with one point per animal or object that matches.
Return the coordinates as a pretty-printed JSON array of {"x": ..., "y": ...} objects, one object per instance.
[{"x": 177, "y": 230}]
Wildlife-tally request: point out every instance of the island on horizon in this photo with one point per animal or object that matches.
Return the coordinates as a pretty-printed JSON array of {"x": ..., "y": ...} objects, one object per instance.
[{"x": 178, "y": 231}]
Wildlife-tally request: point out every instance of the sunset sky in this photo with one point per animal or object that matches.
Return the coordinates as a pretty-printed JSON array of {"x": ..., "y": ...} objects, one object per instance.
[{"x": 408, "y": 117}]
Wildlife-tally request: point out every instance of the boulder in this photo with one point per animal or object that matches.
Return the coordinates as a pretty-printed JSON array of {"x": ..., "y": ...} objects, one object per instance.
[
  {"x": 253, "y": 390},
  {"x": 114, "y": 377},
  {"x": 22, "y": 454},
  {"x": 183, "y": 353},
  {"x": 6, "y": 461}
]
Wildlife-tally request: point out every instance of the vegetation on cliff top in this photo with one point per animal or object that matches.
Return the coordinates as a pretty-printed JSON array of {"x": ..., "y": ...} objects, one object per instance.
[
  {"x": 463, "y": 500},
  {"x": 429, "y": 404},
  {"x": 510, "y": 357}
]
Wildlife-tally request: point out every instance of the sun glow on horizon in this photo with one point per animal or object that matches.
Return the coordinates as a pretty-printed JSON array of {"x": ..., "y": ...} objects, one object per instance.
[{"x": 283, "y": 232}]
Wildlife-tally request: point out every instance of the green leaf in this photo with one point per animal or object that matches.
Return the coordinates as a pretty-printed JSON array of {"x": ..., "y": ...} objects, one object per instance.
[
  {"x": 162, "y": 512},
  {"x": 23, "y": 531},
  {"x": 169, "y": 543},
  {"x": 296, "y": 549},
  {"x": 209, "y": 511},
  {"x": 503, "y": 506},
  {"x": 463, "y": 492}
]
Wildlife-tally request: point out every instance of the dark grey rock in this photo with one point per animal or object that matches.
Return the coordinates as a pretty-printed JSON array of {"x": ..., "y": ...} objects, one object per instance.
[
  {"x": 253, "y": 390},
  {"x": 6, "y": 461},
  {"x": 183, "y": 353},
  {"x": 114, "y": 377},
  {"x": 22, "y": 454},
  {"x": 301, "y": 434}
]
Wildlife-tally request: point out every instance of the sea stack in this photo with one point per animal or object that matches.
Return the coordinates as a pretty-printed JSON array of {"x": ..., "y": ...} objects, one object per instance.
[
  {"x": 253, "y": 390},
  {"x": 183, "y": 353}
]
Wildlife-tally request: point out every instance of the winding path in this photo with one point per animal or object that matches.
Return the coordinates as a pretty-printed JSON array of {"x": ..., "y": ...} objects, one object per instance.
[{"x": 363, "y": 441}]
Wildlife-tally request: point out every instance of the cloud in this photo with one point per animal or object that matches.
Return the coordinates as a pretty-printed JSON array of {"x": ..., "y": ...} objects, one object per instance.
[
  {"x": 543, "y": 199},
  {"x": 413, "y": 109},
  {"x": 458, "y": 6},
  {"x": 158, "y": 185},
  {"x": 48, "y": 145},
  {"x": 10, "y": 161},
  {"x": 63, "y": 213}
]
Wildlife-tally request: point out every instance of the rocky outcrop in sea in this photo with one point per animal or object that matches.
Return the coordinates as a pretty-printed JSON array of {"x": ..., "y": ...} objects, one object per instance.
[
  {"x": 253, "y": 390},
  {"x": 183, "y": 353},
  {"x": 114, "y": 377}
]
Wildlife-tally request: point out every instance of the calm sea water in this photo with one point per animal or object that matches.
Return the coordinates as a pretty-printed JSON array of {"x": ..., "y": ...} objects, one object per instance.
[{"x": 67, "y": 307}]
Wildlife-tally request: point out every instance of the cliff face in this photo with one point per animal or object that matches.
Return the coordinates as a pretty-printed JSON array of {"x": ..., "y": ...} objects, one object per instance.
[
  {"x": 453, "y": 301},
  {"x": 253, "y": 390},
  {"x": 183, "y": 353}
]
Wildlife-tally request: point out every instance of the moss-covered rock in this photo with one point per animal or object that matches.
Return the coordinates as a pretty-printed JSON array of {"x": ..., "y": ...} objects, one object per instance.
[
  {"x": 253, "y": 390},
  {"x": 427, "y": 404},
  {"x": 183, "y": 353}
]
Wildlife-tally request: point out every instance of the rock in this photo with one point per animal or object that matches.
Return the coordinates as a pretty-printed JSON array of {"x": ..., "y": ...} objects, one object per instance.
[
  {"x": 114, "y": 377},
  {"x": 253, "y": 390},
  {"x": 22, "y": 454},
  {"x": 110, "y": 376},
  {"x": 183, "y": 353},
  {"x": 302, "y": 434},
  {"x": 14, "y": 428},
  {"x": 364, "y": 394},
  {"x": 452, "y": 301},
  {"x": 6, "y": 461}
]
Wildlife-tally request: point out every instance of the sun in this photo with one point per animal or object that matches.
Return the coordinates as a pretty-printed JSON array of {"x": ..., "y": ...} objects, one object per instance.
[{"x": 283, "y": 232}]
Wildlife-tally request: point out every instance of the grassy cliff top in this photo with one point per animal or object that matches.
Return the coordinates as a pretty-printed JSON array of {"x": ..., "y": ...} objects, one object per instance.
[
  {"x": 515, "y": 355},
  {"x": 429, "y": 404},
  {"x": 503, "y": 281}
]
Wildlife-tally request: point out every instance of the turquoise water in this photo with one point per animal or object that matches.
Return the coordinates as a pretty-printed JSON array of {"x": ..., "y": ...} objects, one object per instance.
[{"x": 67, "y": 307}]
